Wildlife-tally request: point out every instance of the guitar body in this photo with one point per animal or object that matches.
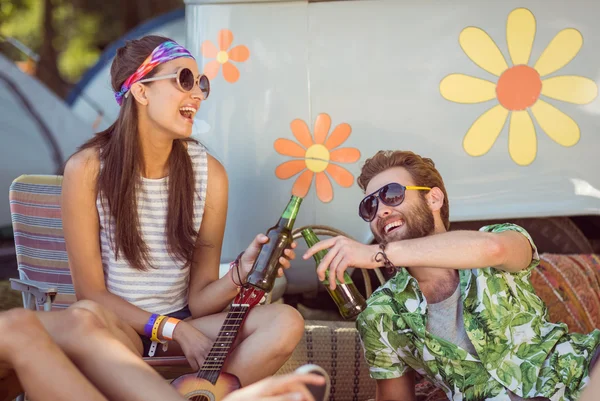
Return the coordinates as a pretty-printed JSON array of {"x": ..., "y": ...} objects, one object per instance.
[{"x": 191, "y": 387}]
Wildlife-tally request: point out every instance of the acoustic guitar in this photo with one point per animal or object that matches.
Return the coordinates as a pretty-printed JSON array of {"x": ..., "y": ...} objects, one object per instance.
[{"x": 211, "y": 383}]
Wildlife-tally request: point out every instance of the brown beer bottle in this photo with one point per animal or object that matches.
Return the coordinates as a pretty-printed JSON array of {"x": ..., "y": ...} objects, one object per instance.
[
  {"x": 264, "y": 270},
  {"x": 349, "y": 301}
]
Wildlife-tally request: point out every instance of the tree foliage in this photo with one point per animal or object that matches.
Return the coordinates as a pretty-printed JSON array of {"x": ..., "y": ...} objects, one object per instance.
[{"x": 69, "y": 35}]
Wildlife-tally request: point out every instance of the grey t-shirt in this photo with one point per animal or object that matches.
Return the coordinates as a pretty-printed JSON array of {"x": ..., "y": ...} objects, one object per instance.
[{"x": 445, "y": 320}]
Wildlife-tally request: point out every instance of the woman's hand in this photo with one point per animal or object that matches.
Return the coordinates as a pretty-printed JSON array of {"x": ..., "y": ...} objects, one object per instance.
[
  {"x": 289, "y": 387},
  {"x": 251, "y": 253},
  {"x": 194, "y": 344}
]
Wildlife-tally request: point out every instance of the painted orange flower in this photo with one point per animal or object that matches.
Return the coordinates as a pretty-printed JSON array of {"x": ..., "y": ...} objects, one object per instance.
[
  {"x": 224, "y": 57},
  {"x": 316, "y": 157}
]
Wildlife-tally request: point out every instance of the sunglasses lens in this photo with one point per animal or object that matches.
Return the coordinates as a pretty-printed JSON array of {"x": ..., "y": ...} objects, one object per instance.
[
  {"x": 186, "y": 79},
  {"x": 204, "y": 86},
  {"x": 392, "y": 194},
  {"x": 368, "y": 208}
]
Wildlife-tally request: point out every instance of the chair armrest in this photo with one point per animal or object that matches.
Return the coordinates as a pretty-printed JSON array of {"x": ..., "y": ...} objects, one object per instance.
[{"x": 43, "y": 294}]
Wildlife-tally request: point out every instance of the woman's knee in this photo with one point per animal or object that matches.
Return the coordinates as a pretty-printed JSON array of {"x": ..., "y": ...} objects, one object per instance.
[
  {"x": 86, "y": 318},
  {"x": 20, "y": 322},
  {"x": 21, "y": 330},
  {"x": 94, "y": 317},
  {"x": 106, "y": 318},
  {"x": 291, "y": 322}
]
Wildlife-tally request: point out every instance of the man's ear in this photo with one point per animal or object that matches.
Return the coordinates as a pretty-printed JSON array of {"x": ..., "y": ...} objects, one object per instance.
[
  {"x": 435, "y": 199},
  {"x": 138, "y": 91}
]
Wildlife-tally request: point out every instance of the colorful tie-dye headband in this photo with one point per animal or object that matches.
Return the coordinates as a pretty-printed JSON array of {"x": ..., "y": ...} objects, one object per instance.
[{"x": 164, "y": 52}]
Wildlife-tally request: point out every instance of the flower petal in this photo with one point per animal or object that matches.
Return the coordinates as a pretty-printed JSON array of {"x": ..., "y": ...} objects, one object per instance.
[
  {"x": 225, "y": 39},
  {"x": 322, "y": 126},
  {"x": 239, "y": 53},
  {"x": 460, "y": 88},
  {"x": 482, "y": 50},
  {"x": 345, "y": 155},
  {"x": 561, "y": 50},
  {"x": 340, "y": 175},
  {"x": 324, "y": 188},
  {"x": 230, "y": 72},
  {"x": 208, "y": 49},
  {"x": 559, "y": 126},
  {"x": 484, "y": 131},
  {"x": 520, "y": 33},
  {"x": 211, "y": 69},
  {"x": 570, "y": 88},
  {"x": 338, "y": 136},
  {"x": 288, "y": 147},
  {"x": 289, "y": 169},
  {"x": 301, "y": 132},
  {"x": 302, "y": 184},
  {"x": 522, "y": 142}
]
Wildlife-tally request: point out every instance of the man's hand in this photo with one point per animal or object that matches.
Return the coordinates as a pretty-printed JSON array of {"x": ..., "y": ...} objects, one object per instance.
[
  {"x": 343, "y": 253},
  {"x": 289, "y": 387}
]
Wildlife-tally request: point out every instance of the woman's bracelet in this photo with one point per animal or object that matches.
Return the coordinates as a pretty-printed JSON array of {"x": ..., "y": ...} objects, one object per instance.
[
  {"x": 149, "y": 325},
  {"x": 169, "y": 327},
  {"x": 157, "y": 323},
  {"x": 236, "y": 265}
]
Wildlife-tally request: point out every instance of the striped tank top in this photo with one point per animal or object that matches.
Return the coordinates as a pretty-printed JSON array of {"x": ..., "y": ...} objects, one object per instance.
[{"x": 162, "y": 288}]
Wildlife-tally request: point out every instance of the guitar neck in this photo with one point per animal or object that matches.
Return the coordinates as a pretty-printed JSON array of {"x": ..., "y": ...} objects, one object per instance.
[{"x": 213, "y": 365}]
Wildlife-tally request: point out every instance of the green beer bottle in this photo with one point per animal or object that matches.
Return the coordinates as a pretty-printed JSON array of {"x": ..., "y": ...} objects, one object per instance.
[
  {"x": 264, "y": 270},
  {"x": 349, "y": 301}
]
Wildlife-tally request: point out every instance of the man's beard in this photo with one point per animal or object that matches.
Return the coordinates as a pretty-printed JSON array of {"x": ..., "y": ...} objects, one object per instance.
[{"x": 418, "y": 223}]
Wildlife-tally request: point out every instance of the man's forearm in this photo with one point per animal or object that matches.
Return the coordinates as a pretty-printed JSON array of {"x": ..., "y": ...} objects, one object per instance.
[{"x": 451, "y": 250}]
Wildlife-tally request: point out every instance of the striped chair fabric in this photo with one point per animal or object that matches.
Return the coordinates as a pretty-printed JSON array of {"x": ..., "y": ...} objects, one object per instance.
[{"x": 39, "y": 242}]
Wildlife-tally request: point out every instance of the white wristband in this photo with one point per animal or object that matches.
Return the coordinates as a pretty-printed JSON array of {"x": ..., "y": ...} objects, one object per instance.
[{"x": 169, "y": 328}]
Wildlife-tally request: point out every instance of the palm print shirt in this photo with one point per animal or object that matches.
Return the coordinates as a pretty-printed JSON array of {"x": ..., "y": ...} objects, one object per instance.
[{"x": 517, "y": 347}]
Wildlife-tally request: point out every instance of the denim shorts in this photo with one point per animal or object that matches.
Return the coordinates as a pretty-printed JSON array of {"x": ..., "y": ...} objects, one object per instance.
[{"x": 180, "y": 314}]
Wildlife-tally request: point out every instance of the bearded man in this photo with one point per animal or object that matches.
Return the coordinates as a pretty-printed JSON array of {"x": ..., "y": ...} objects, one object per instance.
[{"x": 460, "y": 309}]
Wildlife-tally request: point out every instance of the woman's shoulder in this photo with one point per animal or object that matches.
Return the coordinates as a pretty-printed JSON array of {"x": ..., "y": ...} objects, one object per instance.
[{"x": 85, "y": 164}]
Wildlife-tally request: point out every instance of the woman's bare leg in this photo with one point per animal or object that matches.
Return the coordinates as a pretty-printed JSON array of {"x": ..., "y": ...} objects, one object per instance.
[
  {"x": 43, "y": 369},
  {"x": 106, "y": 353},
  {"x": 267, "y": 339}
]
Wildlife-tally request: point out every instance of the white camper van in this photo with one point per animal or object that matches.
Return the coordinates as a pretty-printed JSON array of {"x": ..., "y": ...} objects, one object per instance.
[{"x": 501, "y": 95}]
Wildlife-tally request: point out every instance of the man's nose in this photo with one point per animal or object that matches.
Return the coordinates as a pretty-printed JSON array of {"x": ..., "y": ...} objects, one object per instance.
[{"x": 383, "y": 210}]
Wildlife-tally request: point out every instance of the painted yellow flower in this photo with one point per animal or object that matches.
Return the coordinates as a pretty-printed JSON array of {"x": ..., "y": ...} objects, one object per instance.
[
  {"x": 519, "y": 87},
  {"x": 316, "y": 157}
]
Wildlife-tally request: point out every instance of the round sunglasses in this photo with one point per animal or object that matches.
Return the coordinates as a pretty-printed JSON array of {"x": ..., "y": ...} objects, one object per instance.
[
  {"x": 391, "y": 194},
  {"x": 185, "y": 81}
]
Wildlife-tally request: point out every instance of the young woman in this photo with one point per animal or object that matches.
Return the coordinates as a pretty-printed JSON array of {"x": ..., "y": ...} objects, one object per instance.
[{"x": 144, "y": 211}]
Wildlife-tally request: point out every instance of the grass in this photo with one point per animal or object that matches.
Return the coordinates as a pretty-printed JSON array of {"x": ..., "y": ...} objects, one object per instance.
[{"x": 9, "y": 298}]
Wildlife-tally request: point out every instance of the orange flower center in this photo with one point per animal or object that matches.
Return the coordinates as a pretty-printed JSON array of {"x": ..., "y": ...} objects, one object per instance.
[
  {"x": 317, "y": 158},
  {"x": 222, "y": 57},
  {"x": 519, "y": 87}
]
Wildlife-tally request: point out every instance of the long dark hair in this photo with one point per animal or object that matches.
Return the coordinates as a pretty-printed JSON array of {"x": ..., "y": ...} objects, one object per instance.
[{"x": 120, "y": 174}]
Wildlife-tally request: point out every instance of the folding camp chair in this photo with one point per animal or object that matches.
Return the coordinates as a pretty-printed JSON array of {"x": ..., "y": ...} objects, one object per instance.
[{"x": 44, "y": 275}]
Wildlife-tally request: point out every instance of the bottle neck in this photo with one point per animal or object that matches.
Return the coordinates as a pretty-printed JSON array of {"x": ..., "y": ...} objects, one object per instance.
[
  {"x": 288, "y": 217},
  {"x": 311, "y": 239}
]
